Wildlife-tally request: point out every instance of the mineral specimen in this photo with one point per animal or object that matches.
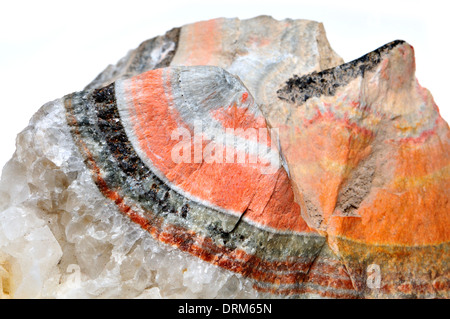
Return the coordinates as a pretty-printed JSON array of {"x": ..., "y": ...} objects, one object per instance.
[{"x": 233, "y": 159}]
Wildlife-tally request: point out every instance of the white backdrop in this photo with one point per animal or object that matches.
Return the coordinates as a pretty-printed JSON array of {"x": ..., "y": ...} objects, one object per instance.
[{"x": 52, "y": 48}]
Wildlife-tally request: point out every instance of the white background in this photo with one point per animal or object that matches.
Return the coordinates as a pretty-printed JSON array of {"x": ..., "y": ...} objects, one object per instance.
[{"x": 52, "y": 48}]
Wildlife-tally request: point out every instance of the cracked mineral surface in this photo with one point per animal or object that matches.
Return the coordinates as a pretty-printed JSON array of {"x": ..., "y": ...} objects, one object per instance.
[{"x": 233, "y": 159}]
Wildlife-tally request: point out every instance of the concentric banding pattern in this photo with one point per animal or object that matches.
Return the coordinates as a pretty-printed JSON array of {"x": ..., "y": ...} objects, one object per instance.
[{"x": 292, "y": 264}]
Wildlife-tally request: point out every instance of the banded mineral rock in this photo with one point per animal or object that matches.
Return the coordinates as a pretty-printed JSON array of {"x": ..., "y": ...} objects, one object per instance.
[{"x": 233, "y": 159}]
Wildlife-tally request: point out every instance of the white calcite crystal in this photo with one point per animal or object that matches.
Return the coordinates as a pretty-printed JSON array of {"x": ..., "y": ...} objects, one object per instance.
[{"x": 61, "y": 238}]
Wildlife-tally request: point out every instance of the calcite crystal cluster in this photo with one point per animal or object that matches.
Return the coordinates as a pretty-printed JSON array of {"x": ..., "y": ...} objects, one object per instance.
[{"x": 233, "y": 159}]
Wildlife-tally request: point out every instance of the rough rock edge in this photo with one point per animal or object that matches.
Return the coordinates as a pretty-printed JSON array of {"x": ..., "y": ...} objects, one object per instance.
[
  {"x": 63, "y": 208},
  {"x": 300, "y": 89}
]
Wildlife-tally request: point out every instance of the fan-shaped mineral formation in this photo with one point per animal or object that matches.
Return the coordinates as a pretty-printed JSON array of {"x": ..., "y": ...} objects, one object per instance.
[{"x": 233, "y": 159}]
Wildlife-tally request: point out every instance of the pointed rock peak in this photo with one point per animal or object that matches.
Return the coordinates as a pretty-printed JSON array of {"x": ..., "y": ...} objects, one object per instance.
[{"x": 299, "y": 89}]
